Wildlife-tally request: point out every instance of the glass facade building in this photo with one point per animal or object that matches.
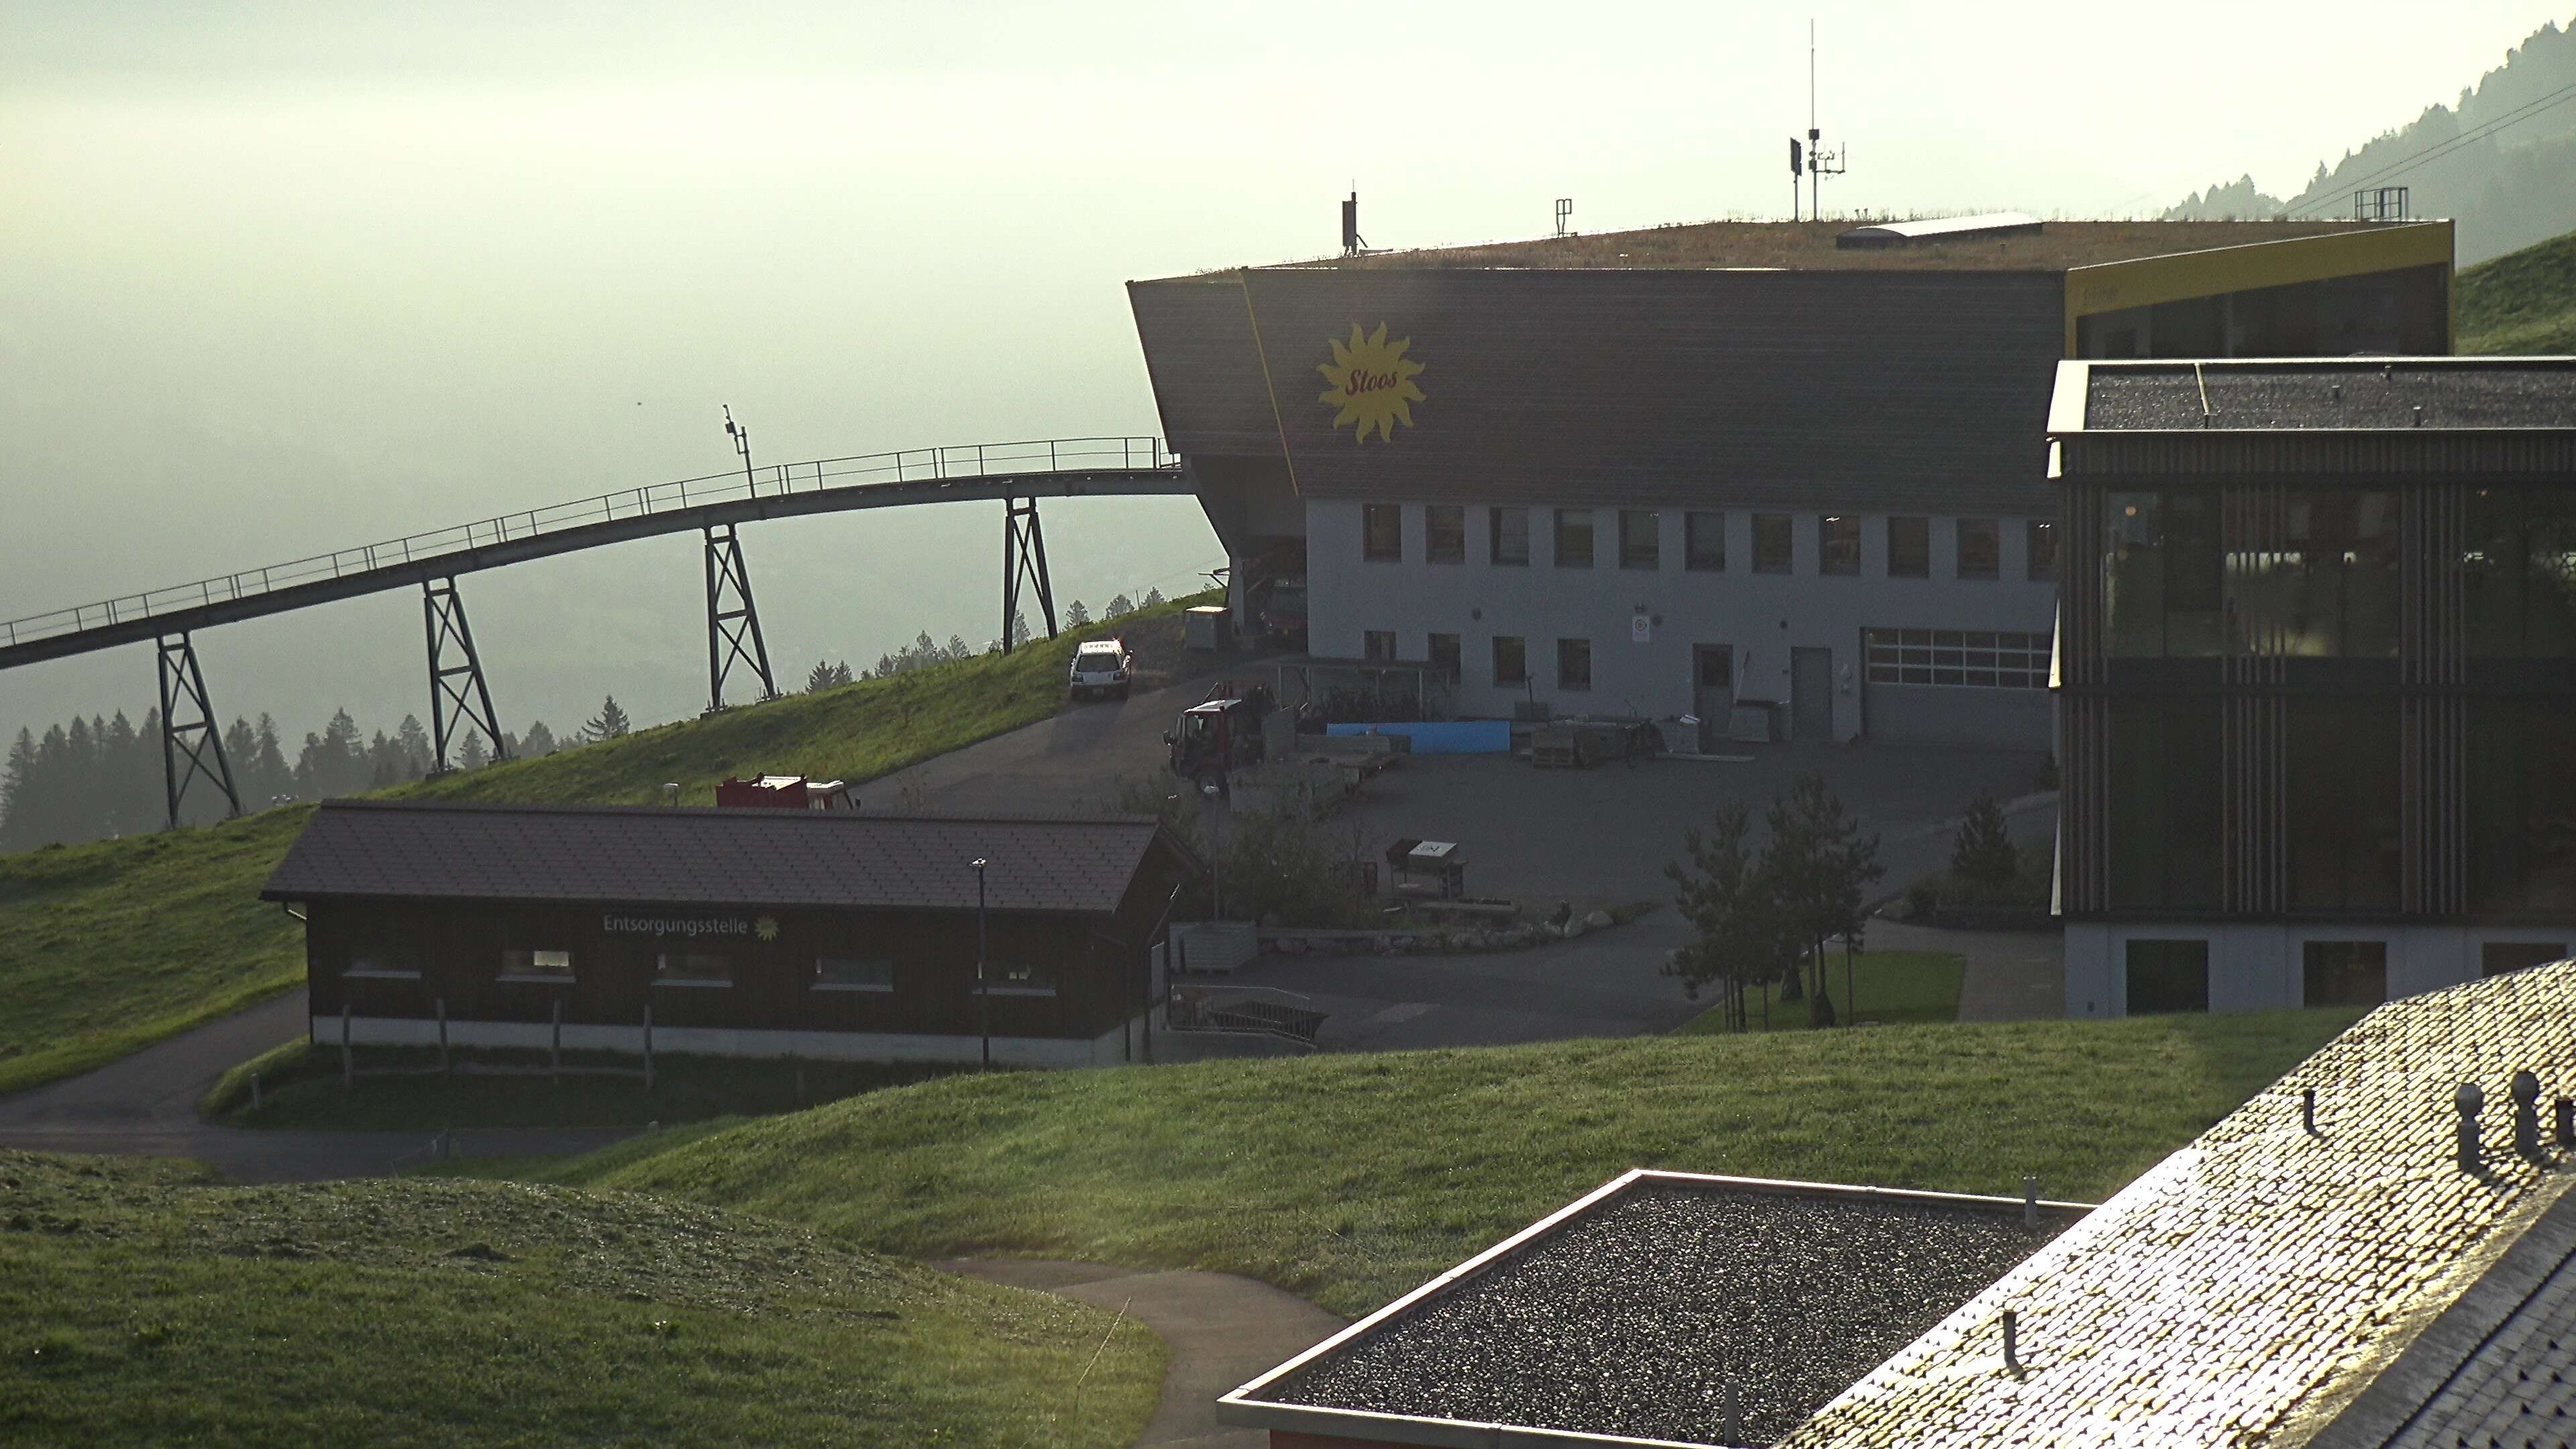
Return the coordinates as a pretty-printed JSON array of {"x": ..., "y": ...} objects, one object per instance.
[{"x": 2317, "y": 674}]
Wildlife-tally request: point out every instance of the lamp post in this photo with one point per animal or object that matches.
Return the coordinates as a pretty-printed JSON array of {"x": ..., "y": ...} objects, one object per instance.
[
  {"x": 983, "y": 992},
  {"x": 1215, "y": 794},
  {"x": 741, "y": 444}
]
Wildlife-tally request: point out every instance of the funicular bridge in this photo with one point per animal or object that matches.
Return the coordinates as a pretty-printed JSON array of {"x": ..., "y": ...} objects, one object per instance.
[{"x": 1015, "y": 475}]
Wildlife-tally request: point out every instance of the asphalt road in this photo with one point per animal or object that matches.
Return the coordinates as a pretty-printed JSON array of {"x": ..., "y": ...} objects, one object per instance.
[{"x": 146, "y": 1105}]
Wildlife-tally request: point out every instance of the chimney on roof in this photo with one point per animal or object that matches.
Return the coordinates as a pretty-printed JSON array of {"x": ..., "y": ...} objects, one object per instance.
[
  {"x": 2566, "y": 1123},
  {"x": 2308, "y": 1111},
  {"x": 2468, "y": 1099},
  {"x": 2012, "y": 1343},
  {"x": 2526, "y": 1116}
]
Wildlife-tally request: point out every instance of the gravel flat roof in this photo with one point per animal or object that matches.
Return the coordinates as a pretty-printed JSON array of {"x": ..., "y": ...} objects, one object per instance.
[
  {"x": 1633, "y": 1316},
  {"x": 2360, "y": 393}
]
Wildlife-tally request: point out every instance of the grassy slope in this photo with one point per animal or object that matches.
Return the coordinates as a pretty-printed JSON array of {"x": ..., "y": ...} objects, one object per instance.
[
  {"x": 1893, "y": 986},
  {"x": 1349, "y": 1178},
  {"x": 2521, "y": 304},
  {"x": 140, "y": 1308},
  {"x": 110, "y": 946}
]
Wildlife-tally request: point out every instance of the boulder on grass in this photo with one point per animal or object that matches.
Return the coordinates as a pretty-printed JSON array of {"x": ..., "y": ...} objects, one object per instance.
[{"x": 1597, "y": 921}]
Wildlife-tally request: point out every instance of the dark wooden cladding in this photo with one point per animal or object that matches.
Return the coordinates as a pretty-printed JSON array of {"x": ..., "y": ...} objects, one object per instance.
[
  {"x": 1874, "y": 391},
  {"x": 2429, "y": 686},
  {"x": 1206, "y": 372},
  {"x": 1097, "y": 975}
]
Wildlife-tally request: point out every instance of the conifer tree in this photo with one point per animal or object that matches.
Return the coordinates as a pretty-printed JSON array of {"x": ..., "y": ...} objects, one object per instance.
[
  {"x": 539, "y": 741},
  {"x": 1121, "y": 604},
  {"x": 608, "y": 724},
  {"x": 471, "y": 755},
  {"x": 1153, "y": 599},
  {"x": 1076, "y": 614}
]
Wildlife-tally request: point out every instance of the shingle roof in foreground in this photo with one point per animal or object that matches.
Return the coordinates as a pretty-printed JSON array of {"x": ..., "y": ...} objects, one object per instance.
[
  {"x": 629, "y": 855},
  {"x": 2253, "y": 1285}
]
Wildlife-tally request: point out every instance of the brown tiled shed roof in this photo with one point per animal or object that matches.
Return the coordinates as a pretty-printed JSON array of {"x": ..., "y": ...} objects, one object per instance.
[
  {"x": 369, "y": 849},
  {"x": 2249, "y": 1287}
]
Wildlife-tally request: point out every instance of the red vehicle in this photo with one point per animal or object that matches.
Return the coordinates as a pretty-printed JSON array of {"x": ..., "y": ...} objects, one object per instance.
[
  {"x": 786, "y": 792},
  {"x": 1215, "y": 739}
]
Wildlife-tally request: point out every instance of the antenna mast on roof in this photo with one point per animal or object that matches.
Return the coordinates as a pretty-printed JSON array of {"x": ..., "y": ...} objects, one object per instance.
[{"x": 1821, "y": 163}]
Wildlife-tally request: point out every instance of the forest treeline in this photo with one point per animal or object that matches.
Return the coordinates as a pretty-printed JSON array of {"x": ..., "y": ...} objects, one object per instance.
[{"x": 2506, "y": 188}]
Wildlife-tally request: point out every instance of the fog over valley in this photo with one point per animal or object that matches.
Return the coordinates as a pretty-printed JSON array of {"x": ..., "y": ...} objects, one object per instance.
[{"x": 280, "y": 284}]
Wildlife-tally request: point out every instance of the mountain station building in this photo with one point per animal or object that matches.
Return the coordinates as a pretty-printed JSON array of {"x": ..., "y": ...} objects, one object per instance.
[
  {"x": 735, "y": 932},
  {"x": 1661, "y": 473}
]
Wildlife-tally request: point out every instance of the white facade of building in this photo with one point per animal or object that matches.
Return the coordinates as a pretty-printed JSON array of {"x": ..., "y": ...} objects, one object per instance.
[
  {"x": 2264, "y": 967},
  {"x": 1972, "y": 669}
]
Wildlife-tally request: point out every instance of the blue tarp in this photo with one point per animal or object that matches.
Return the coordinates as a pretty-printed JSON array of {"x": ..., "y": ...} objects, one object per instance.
[{"x": 1447, "y": 737}]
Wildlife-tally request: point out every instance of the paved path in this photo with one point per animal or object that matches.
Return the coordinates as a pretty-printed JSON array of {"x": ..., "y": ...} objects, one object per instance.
[
  {"x": 146, "y": 1105},
  {"x": 1222, "y": 1331},
  {"x": 2011, "y": 975}
]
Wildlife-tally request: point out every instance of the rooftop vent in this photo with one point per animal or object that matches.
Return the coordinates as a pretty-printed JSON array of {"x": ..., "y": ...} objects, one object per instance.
[{"x": 1992, "y": 225}]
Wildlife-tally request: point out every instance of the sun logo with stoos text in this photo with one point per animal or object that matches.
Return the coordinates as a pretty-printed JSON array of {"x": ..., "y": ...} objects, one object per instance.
[
  {"x": 766, "y": 928},
  {"x": 1372, "y": 383}
]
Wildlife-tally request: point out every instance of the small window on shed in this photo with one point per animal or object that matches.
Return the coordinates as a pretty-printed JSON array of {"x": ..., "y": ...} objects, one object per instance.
[
  {"x": 383, "y": 960},
  {"x": 1021, "y": 978},
  {"x": 690, "y": 968},
  {"x": 853, "y": 973},
  {"x": 536, "y": 965}
]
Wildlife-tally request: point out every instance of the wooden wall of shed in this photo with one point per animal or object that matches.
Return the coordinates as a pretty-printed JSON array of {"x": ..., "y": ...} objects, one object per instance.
[{"x": 457, "y": 948}]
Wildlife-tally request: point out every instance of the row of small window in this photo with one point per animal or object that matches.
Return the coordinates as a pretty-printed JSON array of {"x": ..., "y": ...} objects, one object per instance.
[
  {"x": 2165, "y": 976},
  {"x": 1973, "y": 657},
  {"x": 673, "y": 968},
  {"x": 1511, "y": 657},
  {"x": 1979, "y": 554}
]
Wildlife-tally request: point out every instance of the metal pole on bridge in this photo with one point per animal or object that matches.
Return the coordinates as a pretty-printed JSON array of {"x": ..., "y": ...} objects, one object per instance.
[{"x": 741, "y": 444}]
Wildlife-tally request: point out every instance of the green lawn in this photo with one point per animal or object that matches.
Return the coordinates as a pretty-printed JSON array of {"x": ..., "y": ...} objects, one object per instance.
[
  {"x": 2521, "y": 303},
  {"x": 301, "y": 1088},
  {"x": 140, "y": 1307},
  {"x": 1891, "y": 986},
  {"x": 1350, "y": 1178},
  {"x": 110, "y": 946}
]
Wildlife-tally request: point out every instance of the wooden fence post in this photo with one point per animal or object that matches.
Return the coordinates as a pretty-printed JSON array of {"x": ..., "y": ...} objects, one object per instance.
[
  {"x": 348, "y": 1063},
  {"x": 554, "y": 1059}
]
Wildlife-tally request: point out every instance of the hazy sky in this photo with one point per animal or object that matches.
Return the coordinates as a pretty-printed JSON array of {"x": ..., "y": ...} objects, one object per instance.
[{"x": 283, "y": 278}]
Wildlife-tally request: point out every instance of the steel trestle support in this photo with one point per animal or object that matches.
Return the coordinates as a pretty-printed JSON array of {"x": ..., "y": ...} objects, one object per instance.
[
  {"x": 1023, "y": 558},
  {"x": 733, "y": 620},
  {"x": 455, "y": 690},
  {"x": 199, "y": 739}
]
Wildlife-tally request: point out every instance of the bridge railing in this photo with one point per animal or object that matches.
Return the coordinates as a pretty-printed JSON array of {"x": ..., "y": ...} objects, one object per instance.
[{"x": 964, "y": 462}]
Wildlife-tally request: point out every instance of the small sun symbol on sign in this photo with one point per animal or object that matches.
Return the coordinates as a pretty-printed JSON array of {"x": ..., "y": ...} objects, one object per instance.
[
  {"x": 1372, "y": 383},
  {"x": 766, "y": 928}
]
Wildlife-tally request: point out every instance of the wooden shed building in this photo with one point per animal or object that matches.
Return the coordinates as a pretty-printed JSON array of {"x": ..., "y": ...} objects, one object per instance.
[{"x": 735, "y": 932}]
